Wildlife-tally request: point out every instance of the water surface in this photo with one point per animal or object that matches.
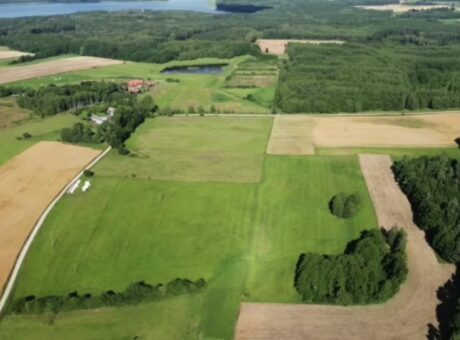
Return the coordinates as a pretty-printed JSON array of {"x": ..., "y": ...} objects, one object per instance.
[
  {"x": 203, "y": 69},
  {"x": 53, "y": 8}
]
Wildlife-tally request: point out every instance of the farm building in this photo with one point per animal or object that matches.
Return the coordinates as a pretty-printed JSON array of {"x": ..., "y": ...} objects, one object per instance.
[{"x": 135, "y": 86}]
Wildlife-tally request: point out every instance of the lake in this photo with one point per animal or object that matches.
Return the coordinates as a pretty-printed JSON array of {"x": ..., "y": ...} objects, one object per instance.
[
  {"x": 202, "y": 69},
  {"x": 46, "y": 8}
]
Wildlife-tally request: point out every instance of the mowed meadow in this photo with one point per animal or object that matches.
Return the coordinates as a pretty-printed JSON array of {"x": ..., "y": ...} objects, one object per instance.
[{"x": 240, "y": 224}]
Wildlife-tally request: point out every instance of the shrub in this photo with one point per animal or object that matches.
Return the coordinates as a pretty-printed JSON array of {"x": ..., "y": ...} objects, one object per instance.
[
  {"x": 345, "y": 206},
  {"x": 88, "y": 173},
  {"x": 26, "y": 135}
]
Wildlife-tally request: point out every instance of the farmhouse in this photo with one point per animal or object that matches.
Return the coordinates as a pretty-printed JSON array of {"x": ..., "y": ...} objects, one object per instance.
[{"x": 135, "y": 86}]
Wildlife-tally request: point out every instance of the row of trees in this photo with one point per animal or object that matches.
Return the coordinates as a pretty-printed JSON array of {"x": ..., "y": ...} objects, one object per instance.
[
  {"x": 432, "y": 185},
  {"x": 134, "y": 294},
  {"x": 371, "y": 270}
]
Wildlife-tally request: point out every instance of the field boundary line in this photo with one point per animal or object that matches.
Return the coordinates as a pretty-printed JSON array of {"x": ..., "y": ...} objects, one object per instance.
[{"x": 25, "y": 248}]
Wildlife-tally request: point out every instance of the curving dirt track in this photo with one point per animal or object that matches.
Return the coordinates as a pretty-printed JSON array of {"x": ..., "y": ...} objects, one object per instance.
[
  {"x": 404, "y": 317},
  {"x": 16, "y": 73},
  {"x": 29, "y": 182}
]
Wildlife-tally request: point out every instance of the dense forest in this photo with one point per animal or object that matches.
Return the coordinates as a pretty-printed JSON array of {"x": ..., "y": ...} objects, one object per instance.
[
  {"x": 432, "y": 185},
  {"x": 358, "y": 77},
  {"x": 371, "y": 270}
]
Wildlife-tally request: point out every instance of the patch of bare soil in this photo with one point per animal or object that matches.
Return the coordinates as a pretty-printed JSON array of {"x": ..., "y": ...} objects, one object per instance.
[
  {"x": 29, "y": 182},
  {"x": 292, "y": 135},
  {"x": 16, "y": 73},
  {"x": 406, "y": 316},
  {"x": 279, "y": 46}
]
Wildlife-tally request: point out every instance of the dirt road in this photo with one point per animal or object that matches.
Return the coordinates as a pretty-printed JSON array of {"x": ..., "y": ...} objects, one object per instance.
[
  {"x": 16, "y": 73},
  {"x": 406, "y": 316}
]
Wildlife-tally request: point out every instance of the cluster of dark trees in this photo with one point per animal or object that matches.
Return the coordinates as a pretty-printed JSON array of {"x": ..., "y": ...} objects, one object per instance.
[
  {"x": 134, "y": 294},
  {"x": 345, "y": 206},
  {"x": 52, "y": 99},
  {"x": 370, "y": 270},
  {"x": 80, "y": 133},
  {"x": 432, "y": 185},
  {"x": 358, "y": 77}
]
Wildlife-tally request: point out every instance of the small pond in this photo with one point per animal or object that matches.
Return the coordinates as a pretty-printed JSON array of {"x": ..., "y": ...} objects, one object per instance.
[{"x": 198, "y": 69}]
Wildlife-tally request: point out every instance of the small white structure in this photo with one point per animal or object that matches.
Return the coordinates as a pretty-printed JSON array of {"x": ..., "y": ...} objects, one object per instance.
[
  {"x": 74, "y": 187},
  {"x": 98, "y": 120},
  {"x": 86, "y": 186}
]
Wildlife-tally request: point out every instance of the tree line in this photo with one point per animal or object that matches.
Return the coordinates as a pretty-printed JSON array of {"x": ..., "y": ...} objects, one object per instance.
[
  {"x": 370, "y": 270},
  {"x": 432, "y": 185},
  {"x": 135, "y": 293}
]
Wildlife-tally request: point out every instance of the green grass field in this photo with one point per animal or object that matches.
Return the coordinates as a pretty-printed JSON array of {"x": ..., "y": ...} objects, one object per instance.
[
  {"x": 216, "y": 149},
  {"x": 243, "y": 238},
  {"x": 41, "y": 129}
]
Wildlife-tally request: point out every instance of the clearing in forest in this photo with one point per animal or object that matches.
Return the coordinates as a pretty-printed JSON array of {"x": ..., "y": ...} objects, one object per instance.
[
  {"x": 16, "y": 73},
  {"x": 279, "y": 46},
  {"x": 404, "y": 317},
  {"x": 29, "y": 183},
  {"x": 401, "y": 8},
  {"x": 8, "y": 54}
]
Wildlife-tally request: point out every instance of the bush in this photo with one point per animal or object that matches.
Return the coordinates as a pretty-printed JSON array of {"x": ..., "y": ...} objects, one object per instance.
[
  {"x": 345, "y": 206},
  {"x": 26, "y": 135},
  {"x": 88, "y": 173}
]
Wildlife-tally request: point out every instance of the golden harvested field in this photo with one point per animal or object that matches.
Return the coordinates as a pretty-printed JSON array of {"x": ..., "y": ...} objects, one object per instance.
[
  {"x": 292, "y": 135},
  {"x": 400, "y": 8},
  {"x": 406, "y": 316},
  {"x": 298, "y": 135},
  {"x": 16, "y": 73},
  {"x": 438, "y": 130},
  {"x": 7, "y": 54},
  {"x": 279, "y": 46},
  {"x": 29, "y": 182}
]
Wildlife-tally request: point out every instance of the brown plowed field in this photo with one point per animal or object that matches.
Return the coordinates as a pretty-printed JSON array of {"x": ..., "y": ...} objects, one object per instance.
[
  {"x": 279, "y": 46},
  {"x": 404, "y": 317},
  {"x": 16, "y": 73},
  {"x": 29, "y": 182}
]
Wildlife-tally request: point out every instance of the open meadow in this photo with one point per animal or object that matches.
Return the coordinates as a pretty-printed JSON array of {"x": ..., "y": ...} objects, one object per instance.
[{"x": 242, "y": 238}]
